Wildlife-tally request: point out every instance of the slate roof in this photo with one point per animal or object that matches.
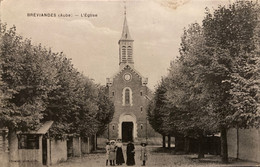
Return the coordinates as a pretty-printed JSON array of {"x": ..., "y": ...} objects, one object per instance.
[{"x": 125, "y": 32}]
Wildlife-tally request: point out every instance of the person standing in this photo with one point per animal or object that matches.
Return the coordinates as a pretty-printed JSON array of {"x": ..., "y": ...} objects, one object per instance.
[
  {"x": 107, "y": 152},
  {"x": 130, "y": 152},
  {"x": 112, "y": 153},
  {"x": 119, "y": 153},
  {"x": 143, "y": 156}
]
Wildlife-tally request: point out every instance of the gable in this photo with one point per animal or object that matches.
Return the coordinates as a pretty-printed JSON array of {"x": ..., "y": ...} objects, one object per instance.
[{"x": 127, "y": 70}]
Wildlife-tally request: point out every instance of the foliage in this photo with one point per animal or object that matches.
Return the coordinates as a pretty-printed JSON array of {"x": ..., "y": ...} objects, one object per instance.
[
  {"x": 27, "y": 76},
  {"x": 186, "y": 90},
  {"x": 39, "y": 85},
  {"x": 214, "y": 84},
  {"x": 160, "y": 111},
  {"x": 230, "y": 35},
  {"x": 105, "y": 109}
]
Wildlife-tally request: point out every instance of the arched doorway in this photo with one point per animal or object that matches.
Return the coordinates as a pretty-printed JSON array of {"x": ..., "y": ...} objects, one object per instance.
[{"x": 127, "y": 130}]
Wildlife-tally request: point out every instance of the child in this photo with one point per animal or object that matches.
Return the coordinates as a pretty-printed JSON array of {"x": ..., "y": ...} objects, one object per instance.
[
  {"x": 107, "y": 152},
  {"x": 112, "y": 152},
  {"x": 143, "y": 156}
]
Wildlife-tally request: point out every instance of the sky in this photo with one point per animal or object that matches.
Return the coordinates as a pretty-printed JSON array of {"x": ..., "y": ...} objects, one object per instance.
[{"x": 92, "y": 42}]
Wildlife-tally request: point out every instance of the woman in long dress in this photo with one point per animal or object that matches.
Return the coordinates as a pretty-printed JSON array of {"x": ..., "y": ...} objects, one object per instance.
[
  {"x": 119, "y": 153},
  {"x": 130, "y": 152}
]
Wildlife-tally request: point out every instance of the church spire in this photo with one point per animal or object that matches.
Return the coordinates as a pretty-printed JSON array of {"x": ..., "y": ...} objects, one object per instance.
[
  {"x": 125, "y": 32},
  {"x": 125, "y": 46}
]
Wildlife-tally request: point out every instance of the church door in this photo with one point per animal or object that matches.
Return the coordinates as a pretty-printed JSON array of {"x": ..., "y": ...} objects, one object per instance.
[{"x": 127, "y": 131}]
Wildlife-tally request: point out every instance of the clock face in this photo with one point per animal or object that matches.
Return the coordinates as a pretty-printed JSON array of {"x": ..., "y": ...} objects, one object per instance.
[{"x": 127, "y": 77}]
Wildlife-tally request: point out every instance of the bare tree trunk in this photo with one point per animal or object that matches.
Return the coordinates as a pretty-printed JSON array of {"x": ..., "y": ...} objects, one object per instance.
[
  {"x": 169, "y": 141},
  {"x": 163, "y": 141},
  {"x": 224, "y": 149},
  {"x": 179, "y": 143},
  {"x": 187, "y": 145},
  {"x": 96, "y": 141},
  {"x": 237, "y": 143},
  {"x": 201, "y": 147}
]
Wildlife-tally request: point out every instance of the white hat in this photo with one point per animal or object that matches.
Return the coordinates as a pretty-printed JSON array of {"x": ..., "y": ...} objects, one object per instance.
[{"x": 112, "y": 141}]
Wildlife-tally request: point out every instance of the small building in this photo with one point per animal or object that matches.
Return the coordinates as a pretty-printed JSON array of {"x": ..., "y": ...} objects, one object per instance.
[
  {"x": 35, "y": 148},
  {"x": 31, "y": 147}
]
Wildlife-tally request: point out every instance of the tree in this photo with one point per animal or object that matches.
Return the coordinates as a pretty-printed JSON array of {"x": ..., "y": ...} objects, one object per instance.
[
  {"x": 39, "y": 85},
  {"x": 216, "y": 78},
  {"x": 105, "y": 109},
  {"x": 159, "y": 113},
  {"x": 73, "y": 104},
  {"x": 27, "y": 77},
  {"x": 230, "y": 35}
]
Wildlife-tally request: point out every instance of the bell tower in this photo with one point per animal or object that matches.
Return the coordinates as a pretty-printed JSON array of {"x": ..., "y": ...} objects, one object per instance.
[{"x": 125, "y": 46}]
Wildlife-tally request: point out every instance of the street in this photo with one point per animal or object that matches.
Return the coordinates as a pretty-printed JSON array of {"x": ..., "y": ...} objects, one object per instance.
[{"x": 155, "y": 158}]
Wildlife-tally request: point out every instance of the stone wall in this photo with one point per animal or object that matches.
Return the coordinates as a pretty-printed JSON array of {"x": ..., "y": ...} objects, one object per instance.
[
  {"x": 58, "y": 151},
  {"x": 76, "y": 146},
  {"x": 86, "y": 145},
  {"x": 244, "y": 144}
]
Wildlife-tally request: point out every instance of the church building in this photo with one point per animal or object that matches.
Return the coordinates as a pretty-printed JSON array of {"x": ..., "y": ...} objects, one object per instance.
[{"x": 130, "y": 94}]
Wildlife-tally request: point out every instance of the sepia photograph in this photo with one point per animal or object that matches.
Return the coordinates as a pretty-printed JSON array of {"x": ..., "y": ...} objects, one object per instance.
[{"x": 92, "y": 83}]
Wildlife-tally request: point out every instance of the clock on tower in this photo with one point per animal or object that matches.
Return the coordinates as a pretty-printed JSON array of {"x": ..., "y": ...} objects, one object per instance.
[{"x": 127, "y": 77}]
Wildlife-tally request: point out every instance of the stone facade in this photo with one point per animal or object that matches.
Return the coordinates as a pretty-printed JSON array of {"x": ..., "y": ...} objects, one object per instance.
[{"x": 128, "y": 90}]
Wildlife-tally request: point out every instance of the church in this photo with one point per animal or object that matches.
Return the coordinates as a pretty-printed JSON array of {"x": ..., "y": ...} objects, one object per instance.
[{"x": 129, "y": 92}]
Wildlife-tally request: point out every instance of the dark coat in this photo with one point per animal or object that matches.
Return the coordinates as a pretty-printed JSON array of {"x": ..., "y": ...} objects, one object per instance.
[{"x": 130, "y": 152}]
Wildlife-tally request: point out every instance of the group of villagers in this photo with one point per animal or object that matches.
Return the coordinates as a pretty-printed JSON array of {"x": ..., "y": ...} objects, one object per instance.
[{"x": 114, "y": 153}]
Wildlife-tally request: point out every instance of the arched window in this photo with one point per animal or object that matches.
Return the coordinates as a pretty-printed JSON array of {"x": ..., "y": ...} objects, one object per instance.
[{"x": 127, "y": 96}]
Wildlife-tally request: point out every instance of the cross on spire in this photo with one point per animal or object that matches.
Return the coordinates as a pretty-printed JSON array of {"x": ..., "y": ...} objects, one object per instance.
[
  {"x": 125, "y": 33},
  {"x": 125, "y": 8}
]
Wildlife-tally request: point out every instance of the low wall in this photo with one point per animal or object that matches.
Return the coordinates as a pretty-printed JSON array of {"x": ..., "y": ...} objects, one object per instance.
[
  {"x": 4, "y": 159},
  {"x": 76, "y": 147},
  {"x": 30, "y": 155},
  {"x": 58, "y": 151},
  {"x": 244, "y": 144},
  {"x": 86, "y": 146},
  {"x": 4, "y": 155}
]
